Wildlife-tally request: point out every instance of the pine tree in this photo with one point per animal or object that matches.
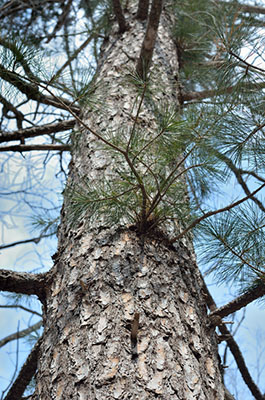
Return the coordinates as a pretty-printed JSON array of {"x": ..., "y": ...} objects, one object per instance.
[{"x": 170, "y": 109}]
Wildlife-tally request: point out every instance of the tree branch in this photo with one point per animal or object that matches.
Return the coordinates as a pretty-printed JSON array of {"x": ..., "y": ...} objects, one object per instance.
[
  {"x": 7, "y": 106},
  {"x": 23, "y": 282},
  {"x": 245, "y": 7},
  {"x": 142, "y": 11},
  {"x": 21, "y": 307},
  {"x": 32, "y": 92},
  {"x": 62, "y": 19},
  {"x": 119, "y": 15},
  {"x": 36, "y": 147},
  {"x": 234, "y": 348},
  {"x": 238, "y": 174},
  {"x": 210, "y": 213},
  {"x": 25, "y": 375},
  {"x": 20, "y": 334},
  {"x": 37, "y": 131},
  {"x": 204, "y": 94},
  {"x": 148, "y": 44},
  {"x": 32, "y": 240},
  {"x": 240, "y": 302}
]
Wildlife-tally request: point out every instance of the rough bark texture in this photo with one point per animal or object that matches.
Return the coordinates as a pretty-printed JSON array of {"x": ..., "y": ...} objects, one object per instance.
[{"x": 105, "y": 276}]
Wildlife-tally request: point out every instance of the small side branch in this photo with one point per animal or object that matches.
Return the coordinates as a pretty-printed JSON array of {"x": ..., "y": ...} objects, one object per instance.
[
  {"x": 239, "y": 359},
  {"x": 20, "y": 334},
  {"x": 239, "y": 302},
  {"x": 25, "y": 375},
  {"x": 119, "y": 15},
  {"x": 36, "y": 147},
  {"x": 31, "y": 91},
  {"x": 248, "y": 8},
  {"x": 23, "y": 282},
  {"x": 148, "y": 45},
  {"x": 210, "y": 213},
  {"x": 35, "y": 240},
  {"x": 205, "y": 94},
  {"x": 37, "y": 131}
]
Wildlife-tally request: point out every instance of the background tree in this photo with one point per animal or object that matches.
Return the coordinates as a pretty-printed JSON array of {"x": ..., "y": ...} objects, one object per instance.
[{"x": 167, "y": 110}]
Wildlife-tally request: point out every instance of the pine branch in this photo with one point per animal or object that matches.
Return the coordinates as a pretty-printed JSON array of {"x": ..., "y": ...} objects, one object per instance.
[
  {"x": 210, "y": 213},
  {"x": 204, "y": 94},
  {"x": 245, "y": 7},
  {"x": 34, "y": 131},
  {"x": 25, "y": 375},
  {"x": 238, "y": 174},
  {"x": 240, "y": 302},
  {"x": 142, "y": 11},
  {"x": 239, "y": 359},
  {"x": 20, "y": 334},
  {"x": 148, "y": 44},
  {"x": 119, "y": 15},
  {"x": 36, "y": 147},
  {"x": 23, "y": 282},
  {"x": 32, "y": 92},
  {"x": 247, "y": 65}
]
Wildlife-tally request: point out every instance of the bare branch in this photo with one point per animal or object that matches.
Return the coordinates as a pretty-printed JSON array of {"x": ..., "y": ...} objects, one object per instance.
[
  {"x": 210, "y": 213},
  {"x": 25, "y": 375},
  {"x": 73, "y": 56},
  {"x": 12, "y": 7},
  {"x": 21, "y": 307},
  {"x": 239, "y": 359},
  {"x": 32, "y": 240},
  {"x": 36, "y": 147},
  {"x": 20, "y": 334},
  {"x": 37, "y": 131},
  {"x": 148, "y": 44},
  {"x": 142, "y": 11},
  {"x": 239, "y": 302},
  {"x": 23, "y": 282},
  {"x": 61, "y": 20},
  {"x": 119, "y": 15}
]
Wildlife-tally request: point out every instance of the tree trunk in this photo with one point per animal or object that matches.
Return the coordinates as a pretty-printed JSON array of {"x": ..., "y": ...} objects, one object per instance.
[{"x": 125, "y": 314}]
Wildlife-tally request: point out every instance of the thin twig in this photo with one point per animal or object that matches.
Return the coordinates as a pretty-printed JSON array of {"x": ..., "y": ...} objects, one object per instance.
[
  {"x": 22, "y": 308},
  {"x": 20, "y": 334},
  {"x": 210, "y": 213},
  {"x": 36, "y": 147},
  {"x": 238, "y": 174},
  {"x": 204, "y": 94}
]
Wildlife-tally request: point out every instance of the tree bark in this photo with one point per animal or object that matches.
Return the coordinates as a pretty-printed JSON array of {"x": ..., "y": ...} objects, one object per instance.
[{"x": 125, "y": 313}]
